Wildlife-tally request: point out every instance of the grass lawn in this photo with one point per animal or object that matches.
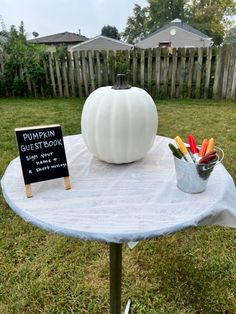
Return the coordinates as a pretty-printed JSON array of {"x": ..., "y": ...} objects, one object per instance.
[{"x": 192, "y": 271}]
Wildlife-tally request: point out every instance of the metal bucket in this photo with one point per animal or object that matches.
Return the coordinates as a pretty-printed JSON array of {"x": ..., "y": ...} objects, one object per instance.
[{"x": 193, "y": 178}]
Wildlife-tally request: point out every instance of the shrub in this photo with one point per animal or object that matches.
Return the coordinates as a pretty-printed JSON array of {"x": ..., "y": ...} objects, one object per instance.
[{"x": 23, "y": 62}]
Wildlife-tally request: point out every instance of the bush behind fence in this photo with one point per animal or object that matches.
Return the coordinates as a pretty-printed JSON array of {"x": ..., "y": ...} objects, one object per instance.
[{"x": 175, "y": 73}]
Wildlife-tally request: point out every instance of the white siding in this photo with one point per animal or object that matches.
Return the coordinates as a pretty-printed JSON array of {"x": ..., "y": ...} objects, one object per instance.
[{"x": 182, "y": 38}]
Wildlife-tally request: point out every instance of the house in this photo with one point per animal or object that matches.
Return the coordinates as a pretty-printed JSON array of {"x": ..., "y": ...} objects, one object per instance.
[
  {"x": 102, "y": 43},
  {"x": 175, "y": 34},
  {"x": 52, "y": 41}
]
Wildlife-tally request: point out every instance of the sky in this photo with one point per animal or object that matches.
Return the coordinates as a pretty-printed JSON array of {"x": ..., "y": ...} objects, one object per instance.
[{"x": 48, "y": 17}]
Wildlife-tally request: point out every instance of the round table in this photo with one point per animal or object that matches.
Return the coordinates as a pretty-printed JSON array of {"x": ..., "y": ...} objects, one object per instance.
[{"x": 119, "y": 203}]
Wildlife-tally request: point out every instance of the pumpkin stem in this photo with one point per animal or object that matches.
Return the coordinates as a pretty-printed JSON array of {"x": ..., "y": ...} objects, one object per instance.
[{"x": 121, "y": 82}]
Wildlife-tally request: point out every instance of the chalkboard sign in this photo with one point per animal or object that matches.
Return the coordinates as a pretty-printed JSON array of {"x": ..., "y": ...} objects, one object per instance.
[{"x": 42, "y": 153}]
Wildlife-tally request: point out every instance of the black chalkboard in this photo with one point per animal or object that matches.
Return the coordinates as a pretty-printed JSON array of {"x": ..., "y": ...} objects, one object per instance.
[{"x": 42, "y": 153}]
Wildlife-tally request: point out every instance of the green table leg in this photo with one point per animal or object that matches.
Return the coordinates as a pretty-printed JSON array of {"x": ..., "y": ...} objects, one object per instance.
[{"x": 115, "y": 277}]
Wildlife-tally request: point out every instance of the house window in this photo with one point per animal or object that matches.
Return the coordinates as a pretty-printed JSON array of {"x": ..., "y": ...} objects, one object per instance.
[{"x": 164, "y": 44}]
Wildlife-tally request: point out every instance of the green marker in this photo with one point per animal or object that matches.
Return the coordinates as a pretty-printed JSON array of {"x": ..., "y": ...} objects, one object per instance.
[{"x": 176, "y": 152}]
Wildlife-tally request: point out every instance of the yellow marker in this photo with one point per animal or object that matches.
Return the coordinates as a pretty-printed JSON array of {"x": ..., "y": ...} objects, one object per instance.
[
  {"x": 183, "y": 149},
  {"x": 210, "y": 145}
]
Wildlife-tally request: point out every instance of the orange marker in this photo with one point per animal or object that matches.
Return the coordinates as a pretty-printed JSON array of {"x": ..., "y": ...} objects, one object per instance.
[
  {"x": 203, "y": 148},
  {"x": 210, "y": 145}
]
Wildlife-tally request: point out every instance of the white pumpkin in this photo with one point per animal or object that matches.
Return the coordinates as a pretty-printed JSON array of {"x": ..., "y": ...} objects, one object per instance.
[{"x": 119, "y": 123}]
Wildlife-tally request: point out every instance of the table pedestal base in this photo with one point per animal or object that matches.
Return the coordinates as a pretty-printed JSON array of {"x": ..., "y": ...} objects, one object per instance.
[{"x": 115, "y": 277}]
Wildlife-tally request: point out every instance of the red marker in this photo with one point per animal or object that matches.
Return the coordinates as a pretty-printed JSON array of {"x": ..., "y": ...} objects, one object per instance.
[
  {"x": 193, "y": 147},
  {"x": 212, "y": 155}
]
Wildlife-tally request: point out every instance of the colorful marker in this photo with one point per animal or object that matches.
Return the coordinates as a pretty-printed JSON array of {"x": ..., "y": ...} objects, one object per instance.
[
  {"x": 183, "y": 149},
  {"x": 203, "y": 147},
  {"x": 193, "y": 147},
  {"x": 176, "y": 152},
  {"x": 212, "y": 155},
  {"x": 210, "y": 145}
]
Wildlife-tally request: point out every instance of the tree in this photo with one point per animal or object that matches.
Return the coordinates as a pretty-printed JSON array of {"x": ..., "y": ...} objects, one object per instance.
[
  {"x": 211, "y": 17},
  {"x": 110, "y": 31},
  {"x": 3, "y": 30},
  {"x": 137, "y": 25},
  {"x": 162, "y": 12},
  {"x": 62, "y": 51},
  {"x": 148, "y": 19},
  {"x": 231, "y": 36},
  {"x": 23, "y": 60}
]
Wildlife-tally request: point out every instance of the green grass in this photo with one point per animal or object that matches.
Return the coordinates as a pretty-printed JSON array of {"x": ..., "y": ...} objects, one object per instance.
[{"x": 192, "y": 271}]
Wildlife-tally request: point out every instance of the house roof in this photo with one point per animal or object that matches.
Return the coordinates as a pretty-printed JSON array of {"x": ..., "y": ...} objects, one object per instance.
[
  {"x": 59, "y": 38},
  {"x": 102, "y": 37},
  {"x": 180, "y": 24}
]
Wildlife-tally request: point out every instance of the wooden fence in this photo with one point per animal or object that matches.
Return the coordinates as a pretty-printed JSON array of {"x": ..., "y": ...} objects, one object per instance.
[{"x": 177, "y": 73}]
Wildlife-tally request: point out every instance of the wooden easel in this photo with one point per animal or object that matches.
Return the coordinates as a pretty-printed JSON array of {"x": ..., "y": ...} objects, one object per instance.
[{"x": 29, "y": 193}]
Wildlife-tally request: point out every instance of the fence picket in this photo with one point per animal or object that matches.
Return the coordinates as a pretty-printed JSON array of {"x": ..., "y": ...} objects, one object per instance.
[
  {"x": 134, "y": 65},
  {"x": 233, "y": 90},
  {"x": 208, "y": 72},
  {"x": 28, "y": 82},
  {"x": 78, "y": 73},
  {"x": 98, "y": 68},
  {"x": 149, "y": 70},
  {"x": 182, "y": 76},
  {"x": 191, "y": 72},
  {"x": 173, "y": 76},
  {"x": 71, "y": 74},
  {"x": 199, "y": 73},
  {"x": 226, "y": 71},
  {"x": 91, "y": 70},
  {"x": 65, "y": 78},
  {"x": 233, "y": 87},
  {"x": 46, "y": 71},
  {"x": 105, "y": 68},
  {"x": 112, "y": 66},
  {"x": 50, "y": 57},
  {"x": 165, "y": 71},
  {"x": 231, "y": 71},
  {"x": 142, "y": 68},
  {"x": 58, "y": 75},
  {"x": 84, "y": 72},
  {"x": 157, "y": 70},
  {"x": 127, "y": 58}
]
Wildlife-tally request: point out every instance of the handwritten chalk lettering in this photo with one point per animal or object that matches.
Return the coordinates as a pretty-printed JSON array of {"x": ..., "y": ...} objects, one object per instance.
[
  {"x": 42, "y": 153},
  {"x": 41, "y": 145},
  {"x": 44, "y": 161},
  {"x": 31, "y": 157},
  {"x": 59, "y": 166},
  {"x": 42, "y": 169},
  {"x": 45, "y": 155},
  {"x": 53, "y": 143},
  {"x": 38, "y": 135}
]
